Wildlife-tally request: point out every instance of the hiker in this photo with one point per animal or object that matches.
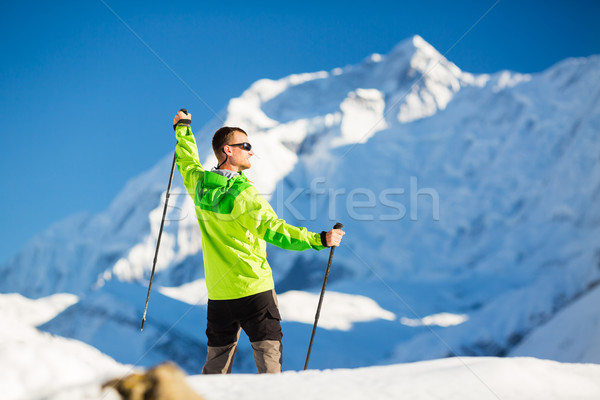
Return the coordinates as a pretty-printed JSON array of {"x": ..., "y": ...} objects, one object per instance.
[{"x": 236, "y": 222}]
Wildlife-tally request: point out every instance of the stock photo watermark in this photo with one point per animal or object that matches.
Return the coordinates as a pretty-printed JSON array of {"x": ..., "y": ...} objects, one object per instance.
[
  {"x": 307, "y": 203},
  {"x": 361, "y": 203}
]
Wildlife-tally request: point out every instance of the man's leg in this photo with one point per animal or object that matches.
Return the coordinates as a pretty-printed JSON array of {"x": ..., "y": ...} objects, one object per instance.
[
  {"x": 223, "y": 333},
  {"x": 267, "y": 356},
  {"x": 263, "y": 327}
]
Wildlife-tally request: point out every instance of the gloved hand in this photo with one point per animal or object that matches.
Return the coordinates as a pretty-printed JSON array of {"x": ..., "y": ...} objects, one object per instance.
[{"x": 182, "y": 118}]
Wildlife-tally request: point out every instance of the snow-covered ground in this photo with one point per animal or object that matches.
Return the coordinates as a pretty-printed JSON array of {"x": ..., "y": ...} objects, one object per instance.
[
  {"x": 460, "y": 379},
  {"x": 34, "y": 364},
  {"x": 449, "y": 379}
]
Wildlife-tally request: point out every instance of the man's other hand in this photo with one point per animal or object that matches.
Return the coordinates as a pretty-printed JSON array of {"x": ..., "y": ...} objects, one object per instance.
[
  {"x": 334, "y": 237},
  {"x": 186, "y": 119}
]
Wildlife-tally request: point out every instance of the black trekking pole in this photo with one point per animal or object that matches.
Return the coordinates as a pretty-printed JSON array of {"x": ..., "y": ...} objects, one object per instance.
[
  {"x": 162, "y": 223},
  {"x": 312, "y": 336}
]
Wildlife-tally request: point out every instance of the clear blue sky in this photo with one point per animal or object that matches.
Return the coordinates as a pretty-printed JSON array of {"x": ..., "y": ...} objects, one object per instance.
[{"x": 84, "y": 105}]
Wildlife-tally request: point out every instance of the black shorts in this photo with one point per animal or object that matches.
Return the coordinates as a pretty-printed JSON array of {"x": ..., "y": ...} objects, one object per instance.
[{"x": 257, "y": 315}]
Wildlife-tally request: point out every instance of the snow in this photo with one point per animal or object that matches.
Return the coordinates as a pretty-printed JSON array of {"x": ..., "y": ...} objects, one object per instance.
[
  {"x": 109, "y": 319},
  {"x": 339, "y": 310},
  {"x": 36, "y": 365},
  {"x": 441, "y": 319},
  {"x": 460, "y": 379},
  {"x": 192, "y": 293},
  {"x": 573, "y": 335},
  {"x": 33, "y": 363},
  {"x": 362, "y": 116},
  {"x": 509, "y": 80},
  {"x": 13, "y": 306}
]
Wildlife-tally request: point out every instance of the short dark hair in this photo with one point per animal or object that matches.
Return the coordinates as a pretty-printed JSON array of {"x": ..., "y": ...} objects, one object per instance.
[{"x": 222, "y": 136}]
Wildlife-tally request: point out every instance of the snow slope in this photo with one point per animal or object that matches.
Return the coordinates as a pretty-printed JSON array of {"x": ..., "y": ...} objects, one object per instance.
[
  {"x": 33, "y": 363},
  {"x": 109, "y": 319},
  {"x": 572, "y": 335},
  {"x": 470, "y": 196},
  {"x": 460, "y": 379},
  {"x": 467, "y": 378}
]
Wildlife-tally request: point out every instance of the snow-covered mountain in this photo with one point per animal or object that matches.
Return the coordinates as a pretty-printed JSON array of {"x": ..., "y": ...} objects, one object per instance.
[
  {"x": 571, "y": 336},
  {"x": 470, "y": 206}
]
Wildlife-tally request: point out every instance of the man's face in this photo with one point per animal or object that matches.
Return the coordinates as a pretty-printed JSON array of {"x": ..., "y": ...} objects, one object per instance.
[{"x": 238, "y": 157}]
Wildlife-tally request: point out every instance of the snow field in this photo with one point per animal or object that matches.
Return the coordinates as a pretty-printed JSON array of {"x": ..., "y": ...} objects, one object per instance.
[
  {"x": 449, "y": 379},
  {"x": 34, "y": 364}
]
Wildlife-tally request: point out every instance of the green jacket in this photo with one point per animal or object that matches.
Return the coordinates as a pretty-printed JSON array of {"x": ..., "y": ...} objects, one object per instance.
[{"x": 236, "y": 222}]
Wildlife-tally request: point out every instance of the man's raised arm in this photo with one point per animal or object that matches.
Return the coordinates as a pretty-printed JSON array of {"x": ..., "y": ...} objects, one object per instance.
[{"x": 188, "y": 161}]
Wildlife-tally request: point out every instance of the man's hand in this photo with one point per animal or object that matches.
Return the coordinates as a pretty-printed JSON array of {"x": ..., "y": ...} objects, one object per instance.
[
  {"x": 334, "y": 237},
  {"x": 182, "y": 118}
]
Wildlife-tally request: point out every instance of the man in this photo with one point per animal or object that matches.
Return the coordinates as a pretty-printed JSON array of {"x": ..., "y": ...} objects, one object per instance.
[{"x": 236, "y": 222}]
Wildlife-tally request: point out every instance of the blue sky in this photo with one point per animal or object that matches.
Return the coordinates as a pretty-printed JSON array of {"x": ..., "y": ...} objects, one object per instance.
[{"x": 85, "y": 105}]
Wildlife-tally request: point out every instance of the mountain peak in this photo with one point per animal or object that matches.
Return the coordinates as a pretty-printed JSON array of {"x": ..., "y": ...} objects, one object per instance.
[{"x": 413, "y": 45}]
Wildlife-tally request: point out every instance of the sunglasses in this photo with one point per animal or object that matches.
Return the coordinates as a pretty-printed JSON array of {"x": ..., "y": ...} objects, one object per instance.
[{"x": 245, "y": 146}]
